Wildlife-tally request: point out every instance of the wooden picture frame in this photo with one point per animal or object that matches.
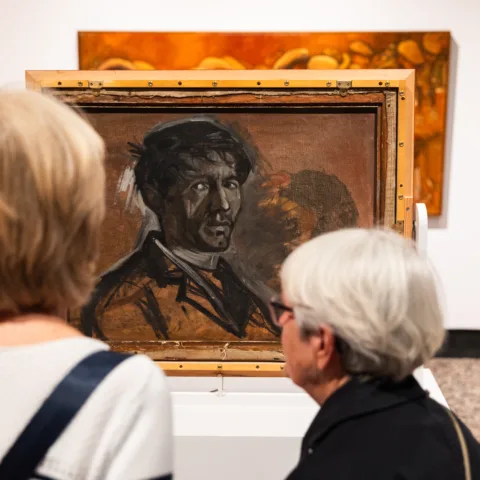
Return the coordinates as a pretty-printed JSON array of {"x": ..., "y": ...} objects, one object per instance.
[{"x": 387, "y": 96}]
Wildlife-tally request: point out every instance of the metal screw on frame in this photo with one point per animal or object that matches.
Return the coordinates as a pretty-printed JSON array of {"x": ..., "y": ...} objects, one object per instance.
[
  {"x": 400, "y": 197},
  {"x": 150, "y": 84},
  {"x": 401, "y": 144},
  {"x": 287, "y": 83},
  {"x": 329, "y": 84},
  {"x": 80, "y": 84},
  {"x": 214, "y": 83},
  {"x": 387, "y": 84}
]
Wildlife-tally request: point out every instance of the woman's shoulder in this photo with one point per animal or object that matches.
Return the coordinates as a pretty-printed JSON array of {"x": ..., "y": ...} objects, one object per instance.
[
  {"x": 135, "y": 377},
  {"x": 138, "y": 373},
  {"x": 125, "y": 426},
  {"x": 130, "y": 383}
]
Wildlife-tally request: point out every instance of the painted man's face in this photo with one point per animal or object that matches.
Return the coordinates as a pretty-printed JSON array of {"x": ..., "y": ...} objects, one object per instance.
[{"x": 201, "y": 207}]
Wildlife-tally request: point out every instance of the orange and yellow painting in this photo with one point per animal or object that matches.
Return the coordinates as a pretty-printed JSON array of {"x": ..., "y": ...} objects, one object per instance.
[{"x": 426, "y": 52}]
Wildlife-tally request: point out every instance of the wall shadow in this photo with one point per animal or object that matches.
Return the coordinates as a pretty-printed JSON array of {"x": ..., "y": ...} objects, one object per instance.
[{"x": 442, "y": 220}]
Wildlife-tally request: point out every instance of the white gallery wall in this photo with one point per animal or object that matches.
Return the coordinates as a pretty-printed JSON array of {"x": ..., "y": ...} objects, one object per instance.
[{"x": 42, "y": 35}]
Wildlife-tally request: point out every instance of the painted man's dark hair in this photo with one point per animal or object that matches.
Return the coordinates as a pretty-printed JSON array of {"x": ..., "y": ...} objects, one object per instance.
[{"x": 169, "y": 149}]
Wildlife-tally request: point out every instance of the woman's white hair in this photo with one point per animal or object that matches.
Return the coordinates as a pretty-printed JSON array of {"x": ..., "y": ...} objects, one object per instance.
[{"x": 377, "y": 293}]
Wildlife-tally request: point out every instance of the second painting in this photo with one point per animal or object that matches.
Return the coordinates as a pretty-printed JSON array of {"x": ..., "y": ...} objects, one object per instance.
[{"x": 426, "y": 52}]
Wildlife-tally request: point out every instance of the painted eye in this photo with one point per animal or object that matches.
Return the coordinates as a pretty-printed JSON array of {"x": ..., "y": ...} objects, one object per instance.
[
  {"x": 200, "y": 187},
  {"x": 232, "y": 185}
]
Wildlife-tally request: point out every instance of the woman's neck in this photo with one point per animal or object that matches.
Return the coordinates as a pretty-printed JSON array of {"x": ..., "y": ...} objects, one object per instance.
[
  {"x": 321, "y": 391},
  {"x": 328, "y": 381},
  {"x": 33, "y": 328}
]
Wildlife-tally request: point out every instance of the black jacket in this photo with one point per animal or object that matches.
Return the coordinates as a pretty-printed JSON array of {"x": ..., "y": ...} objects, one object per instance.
[{"x": 380, "y": 430}]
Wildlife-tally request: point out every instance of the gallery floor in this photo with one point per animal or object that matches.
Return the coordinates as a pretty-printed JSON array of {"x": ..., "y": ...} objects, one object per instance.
[{"x": 459, "y": 381}]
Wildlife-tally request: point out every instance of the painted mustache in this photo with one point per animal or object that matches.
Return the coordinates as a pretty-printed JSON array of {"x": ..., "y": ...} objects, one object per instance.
[{"x": 218, "y": 220}]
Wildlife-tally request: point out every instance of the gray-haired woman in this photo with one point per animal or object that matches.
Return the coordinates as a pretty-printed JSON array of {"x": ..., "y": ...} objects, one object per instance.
[{"x": 359, "y": 312}]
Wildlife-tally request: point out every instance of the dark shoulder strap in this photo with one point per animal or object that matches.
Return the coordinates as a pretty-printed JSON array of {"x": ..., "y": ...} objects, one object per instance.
[
  {"x": 56, "y": 412},
  {"x": 463, "y": 444}
]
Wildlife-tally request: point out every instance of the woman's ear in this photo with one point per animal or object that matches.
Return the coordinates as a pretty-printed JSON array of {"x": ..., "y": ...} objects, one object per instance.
[{"x": 323, "y": 344}]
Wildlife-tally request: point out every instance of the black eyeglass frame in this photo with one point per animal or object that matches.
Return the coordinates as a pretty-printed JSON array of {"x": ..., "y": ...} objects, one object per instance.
[
  {"x": 275, "y": 304},
  {"x": 277, "y": 308}
]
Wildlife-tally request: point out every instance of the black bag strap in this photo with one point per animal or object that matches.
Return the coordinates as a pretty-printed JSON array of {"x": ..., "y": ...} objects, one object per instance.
[{"x": 55, "y": 414}]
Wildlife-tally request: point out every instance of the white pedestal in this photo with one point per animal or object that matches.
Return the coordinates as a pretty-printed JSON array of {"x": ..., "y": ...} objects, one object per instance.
[{"x": 251, "y": 428}]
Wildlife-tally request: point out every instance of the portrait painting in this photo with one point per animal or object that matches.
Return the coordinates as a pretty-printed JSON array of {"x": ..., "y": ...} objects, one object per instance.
[
  {"x": 428, "y": 53},
  {"x": 205, "y": 207},
  {"x": 211, "y": 184}
]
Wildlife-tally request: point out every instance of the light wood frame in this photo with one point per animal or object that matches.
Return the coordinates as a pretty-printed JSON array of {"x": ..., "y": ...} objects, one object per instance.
[{"x": 399, "y": 84}]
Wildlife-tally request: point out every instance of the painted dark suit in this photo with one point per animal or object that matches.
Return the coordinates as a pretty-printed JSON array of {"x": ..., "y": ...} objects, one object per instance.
[
  {"x": 189, "y": 174},
  {"x": 220, "y": 294}
]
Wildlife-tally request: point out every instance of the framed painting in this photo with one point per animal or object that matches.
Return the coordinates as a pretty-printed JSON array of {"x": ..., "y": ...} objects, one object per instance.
[
  {"x": 426, "y": 52},
  {"x": 212, "y": 179}
]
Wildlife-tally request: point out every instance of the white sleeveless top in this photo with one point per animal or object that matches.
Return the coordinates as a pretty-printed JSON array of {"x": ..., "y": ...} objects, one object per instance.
[{"x": 123, "y": 431}]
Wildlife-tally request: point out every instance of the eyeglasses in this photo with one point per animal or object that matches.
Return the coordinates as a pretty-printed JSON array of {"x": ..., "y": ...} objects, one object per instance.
[{"x": 277, "y": 309}]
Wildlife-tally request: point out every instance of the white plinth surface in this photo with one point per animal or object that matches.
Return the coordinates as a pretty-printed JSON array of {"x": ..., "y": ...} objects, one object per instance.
[{"x": 247, "y": 428}]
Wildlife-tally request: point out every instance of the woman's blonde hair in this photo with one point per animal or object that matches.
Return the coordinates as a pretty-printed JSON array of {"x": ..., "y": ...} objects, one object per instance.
[
  {"x": 377, "y": 293},
  {"x": 52, "y": 203}
]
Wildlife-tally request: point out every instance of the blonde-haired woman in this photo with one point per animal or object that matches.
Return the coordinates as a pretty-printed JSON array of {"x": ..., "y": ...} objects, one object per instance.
[
  {"x": 69, "y": 407},
  {"x": 359, "y": 313}
]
